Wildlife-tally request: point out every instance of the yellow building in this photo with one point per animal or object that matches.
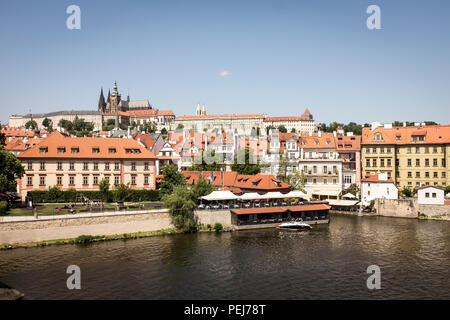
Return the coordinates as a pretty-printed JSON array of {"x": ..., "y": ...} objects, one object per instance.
[{"x": 412, "y": 156}]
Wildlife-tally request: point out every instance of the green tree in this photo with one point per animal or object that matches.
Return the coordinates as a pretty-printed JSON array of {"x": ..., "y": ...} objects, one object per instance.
[
  {"x": 282, "y": 129},
  {"x": 171, "y": 178},
  {"x": 164, "y": 131},
  {"x": 216, "y": 164},
  {"x": 2, "y": 138},
  {"x": 297, "y": 180},
  {"x": 353, "y": 127},
  {"x": 268, "y": 128},
  {"x": 245, "y": 162},
  {"x": 121, "y": 192},
  {"x": 447, "y": 189},
  {"x": 148, "y": 127},
  {"x": 180, "y": 126},
  {"x": 201, "y": 188},
  {"x": 104, "y": 188},
  {"x": 54, "y": 193},
  {"x": 10, "y": 170},
  {"x": 31, "y": 124},
  {"x": 181, "y": 207},
  {"x": 47, "y": 123},
  {"x": 407, "y": 192},
  {"x": 353, "y": 189}
]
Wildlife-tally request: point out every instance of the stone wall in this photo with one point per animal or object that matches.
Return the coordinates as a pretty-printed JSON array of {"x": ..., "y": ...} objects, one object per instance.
[
  {"x": 214, "y": 216},
  {"x": 66, "y": 227},
  {"x": 432, "y": 210},
  {"x": 405, "y": 208}
]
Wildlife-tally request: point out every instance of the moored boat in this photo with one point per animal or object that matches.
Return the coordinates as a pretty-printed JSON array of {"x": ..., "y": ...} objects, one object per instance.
[{"x": 294, "y": 226}]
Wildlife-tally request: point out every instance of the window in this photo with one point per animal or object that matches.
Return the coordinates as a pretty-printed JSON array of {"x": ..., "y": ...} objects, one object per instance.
[
  {"x": 325, "y": 169},
  {"x": 116, "y": 166},
  {"x": 427, "y": 162},
  {"x": 409, "y": 150},
  {"x": 71, "y": 180},
  {"x": 435, "y": 149},
  {"x": 133, "y": 180},
  {"x": 95, "y": 150},
  {"x": 382, "y": 150},
  {"x": 61, "y": 150},
  {"x": 30, "y": 166},
  {"x": 367, "y": 150},
  {"x": 42, "y": 167},
  {"x": 85, "y": 166},
  {"x": 107, "y": 166},
  {"x": 334, "y": 181},
  {"x": 95, "y": 166},
  {"x": 29, "y": 181},
  {"x": 107, "y": 179},
  {"x": 409, "y": 174},
  {"x": 427, "y": 150},
  {"x": 59, "y": 166},
  {"x": 382, "y": 163},
  {"x": 427, "y": 195},
  {"x": 443, "y": 174},
  {"x": 427, "y": 174},
  {"x": 314, "y": 169},
  {"x": 347, "y": 179},
  {"x": 112, "y": 150},
  {"x": 374, "y": 162},
  {"x": 409, "y": 162},
  {"x": 133, "y": 166},
  {"x": 335, "y": 171},
  {"x": 116, "y": 180},
  {"x": 146, "y": 165},
  {"x": 389, "y": 162},
  {"x": 388, "y": 150},
  {"x": 325, "y": 181},
  {"x": 75, "y": 150},
  {"x": 417, "y": 149},
  {"x": 434, "y": 194},
  {"x": 435, "y": 174},
  {"x": 95, "y": 180},
  {"x": 417, "y": 162},
  {"x": 443, "y": 162},
  {"x": 72, "y": 166},
  {"x": 145, "y": 179},
  {"x": 85, "y": 180},
  {"x": 374, "y": 150},
  {"x": 42, "y": 181},
  {"x": 367, "y": 162},
  {"x": 314, "y": 180},
  {"x": 43, "y": 150},
  {"x": 417, "y": 174},
  {"x": 435, "y": 162},
  {"x": 59, "y": 180}
]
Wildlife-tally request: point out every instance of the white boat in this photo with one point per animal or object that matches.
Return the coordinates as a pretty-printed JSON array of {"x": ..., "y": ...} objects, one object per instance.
[{"x": 294, "y": 225}]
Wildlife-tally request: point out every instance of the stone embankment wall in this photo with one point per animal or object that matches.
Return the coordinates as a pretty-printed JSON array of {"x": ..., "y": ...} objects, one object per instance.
[
  {"x": 28, "y": 229},
  {"x": 409, "y": 208},
  {"x": 213, "y": 216}
]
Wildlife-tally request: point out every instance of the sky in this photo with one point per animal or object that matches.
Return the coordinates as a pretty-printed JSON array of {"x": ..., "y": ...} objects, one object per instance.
[{"x": 268, "y": 57}]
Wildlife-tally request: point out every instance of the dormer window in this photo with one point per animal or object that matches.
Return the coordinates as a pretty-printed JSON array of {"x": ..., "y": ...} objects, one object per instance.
[
  {"x": 378, "y": 136},
  {"x": 112, "y": 150},
  {"x": 95, "y": 150},
  {"x": 136, "y": 151},
  {"x": 61, "y": 149},
  {"x": 43, "y": 150},
  {"x": 75, "y": 150}
]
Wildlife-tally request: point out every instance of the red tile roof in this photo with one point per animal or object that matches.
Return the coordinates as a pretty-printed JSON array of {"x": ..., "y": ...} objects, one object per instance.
[
  {"x": 123, "y": 148},
  {"x": 375, "y": 178},
  {"x": 302, "y": 208},
  {"x": 437, "y": 134},
  {"x": 221, "y": 116},
  {"x": 350, "y": 143},
  {"x": 276, "y": 119},
  {"x": 325, "y": 141}
]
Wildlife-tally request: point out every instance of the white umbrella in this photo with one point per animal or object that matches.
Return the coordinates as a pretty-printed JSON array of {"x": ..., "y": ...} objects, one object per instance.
[
  {"x": 349, "y": 195},
  {"x": 220, "y": 195},
  {"x": 250, "y": 196},
  {"x": 296, "y": 194},
  {"x": 273, "y": 195}
]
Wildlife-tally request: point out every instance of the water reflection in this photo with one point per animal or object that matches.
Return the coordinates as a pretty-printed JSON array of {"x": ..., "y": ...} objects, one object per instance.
[{"x": 327, "y": 262}]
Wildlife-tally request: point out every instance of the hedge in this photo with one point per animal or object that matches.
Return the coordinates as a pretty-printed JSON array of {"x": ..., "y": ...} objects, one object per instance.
[{"x": 132, "y": 195}]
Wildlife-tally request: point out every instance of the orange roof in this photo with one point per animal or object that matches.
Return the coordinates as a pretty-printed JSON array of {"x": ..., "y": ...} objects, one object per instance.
[
  {"x": 306, "y": 111},
  {"x": 83, "y": 148},
  {"x": 348, "y": 143},
  {"x": 18, "y": 144},
  {"x": 221, "y": 116},
  {"x": 302, "y": 208},
  {"x": 259, "y": 182},
  {"x": 166, "y": 113},
  {"x": 141, "y": 113},
  {"x": 404, "y": 135},
  {"x": 326, "y": 141},
  {"x": 274, "y": 119},
  {"x": 375, "y": 178},
  {"x": 12, "y": 132}
]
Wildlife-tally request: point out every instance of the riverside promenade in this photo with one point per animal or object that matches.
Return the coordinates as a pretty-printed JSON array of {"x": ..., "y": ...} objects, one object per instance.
[{"x": 19, "y": 230}]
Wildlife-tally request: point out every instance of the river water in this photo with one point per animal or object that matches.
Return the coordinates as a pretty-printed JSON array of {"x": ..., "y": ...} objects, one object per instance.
[{"x": 328, "y": 262}]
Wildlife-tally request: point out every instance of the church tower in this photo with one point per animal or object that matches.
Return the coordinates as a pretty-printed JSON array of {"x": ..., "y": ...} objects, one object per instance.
[
  {"x": 101, "y": 102},
  {"x": 114, "y": 100}
]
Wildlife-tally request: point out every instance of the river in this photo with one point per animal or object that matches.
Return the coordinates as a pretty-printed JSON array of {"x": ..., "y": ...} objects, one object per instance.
[{"x": 327, "y": 262}]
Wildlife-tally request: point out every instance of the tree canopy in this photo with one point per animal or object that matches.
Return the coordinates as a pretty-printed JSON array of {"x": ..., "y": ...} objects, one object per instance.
[
  {"x": 31, "y": 124},
  {"x": 245, "y": 162},
  {"x": 171, "y": 179},
  {"x": 78, "y": 127},
  {"x": 10, "y": 170}
]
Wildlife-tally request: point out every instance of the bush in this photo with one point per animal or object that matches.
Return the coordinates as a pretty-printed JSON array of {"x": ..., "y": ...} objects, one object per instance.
[
  {"x": 135, "y": 195},
  {"x": 3, "y": 208},
  {"x": 218, "y": 227},
  {"x": 83, "y": 239}
]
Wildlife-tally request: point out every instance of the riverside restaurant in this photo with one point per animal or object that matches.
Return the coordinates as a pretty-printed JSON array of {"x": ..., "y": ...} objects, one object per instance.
[{"x": 252, "y": 210}]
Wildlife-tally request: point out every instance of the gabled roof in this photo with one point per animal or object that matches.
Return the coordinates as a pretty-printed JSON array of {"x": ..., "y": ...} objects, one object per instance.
[
  {"x": 350, "y": 143},
  {"x": 106, "y": 148},
  {"x": 375, "y": 178},
  {"x": 436, "y": 134},
  {"x": 325, "y": 141}
]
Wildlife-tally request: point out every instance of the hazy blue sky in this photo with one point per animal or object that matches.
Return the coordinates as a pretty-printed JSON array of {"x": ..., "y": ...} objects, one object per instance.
[{"x": 280, "y": 56}]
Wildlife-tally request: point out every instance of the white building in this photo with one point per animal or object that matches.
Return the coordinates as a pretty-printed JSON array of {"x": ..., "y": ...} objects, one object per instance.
[
  {"x": 430, "y": 195},
  {"x": 377, "y": 186}
]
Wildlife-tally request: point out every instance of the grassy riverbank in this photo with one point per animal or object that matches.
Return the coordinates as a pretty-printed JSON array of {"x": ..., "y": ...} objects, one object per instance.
[{"x": 84, "y": 239}]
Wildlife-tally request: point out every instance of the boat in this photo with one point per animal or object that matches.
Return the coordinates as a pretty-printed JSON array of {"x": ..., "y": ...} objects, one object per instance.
[{"x": 294, "y": 226}]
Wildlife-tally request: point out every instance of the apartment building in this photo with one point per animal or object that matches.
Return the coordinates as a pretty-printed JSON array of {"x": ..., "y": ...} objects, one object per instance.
[
  {"x": 349, "y": 151},
  {"x": 412, "y": 156},
  {"x": 81, "y": 163},
  {"x": 320, "y": 162}
]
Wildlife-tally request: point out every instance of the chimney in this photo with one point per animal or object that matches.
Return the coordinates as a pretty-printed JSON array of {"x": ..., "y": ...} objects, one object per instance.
[
  {"x": 404, "y": 123},
  {"x": 334, "y": 133},
  {"x": 320, "y": 133}
]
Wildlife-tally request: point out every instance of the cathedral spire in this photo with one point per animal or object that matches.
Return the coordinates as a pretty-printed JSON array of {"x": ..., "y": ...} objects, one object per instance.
[{"x": 101, "y": 102}]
